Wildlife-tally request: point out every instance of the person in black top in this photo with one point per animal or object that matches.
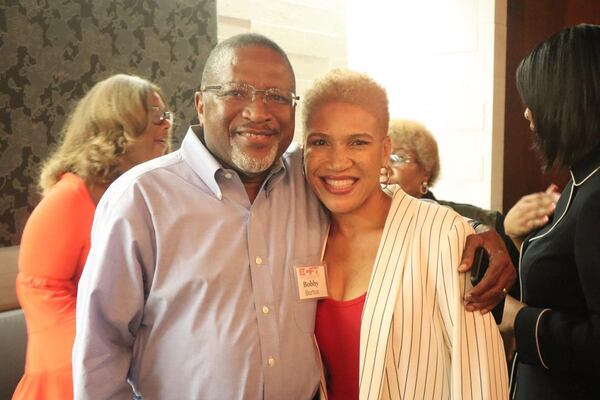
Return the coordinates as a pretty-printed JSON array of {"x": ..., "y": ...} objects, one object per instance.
[{"x": 556, "y": 324}]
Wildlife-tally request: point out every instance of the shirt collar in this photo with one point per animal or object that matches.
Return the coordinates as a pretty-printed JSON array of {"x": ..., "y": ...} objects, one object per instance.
[
  {"x": 206, "y": 166},
  {"x": 586, "y": 167}
]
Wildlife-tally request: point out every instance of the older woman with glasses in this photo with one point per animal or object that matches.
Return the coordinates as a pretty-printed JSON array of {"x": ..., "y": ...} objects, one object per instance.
[
  {"x": 122, "y": 121},
  {"x": 415, "y": 161},
  {"x": 415, "y": 165}
]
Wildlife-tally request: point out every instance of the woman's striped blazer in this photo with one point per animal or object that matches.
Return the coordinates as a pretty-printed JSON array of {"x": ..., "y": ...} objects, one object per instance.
[{"x": 417, "y": 340}]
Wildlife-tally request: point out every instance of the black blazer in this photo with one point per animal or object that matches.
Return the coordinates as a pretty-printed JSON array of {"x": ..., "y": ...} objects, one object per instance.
[{"x": 558, "y": 333}]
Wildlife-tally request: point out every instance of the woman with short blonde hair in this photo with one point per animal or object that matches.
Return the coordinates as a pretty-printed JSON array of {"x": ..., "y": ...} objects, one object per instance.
[
  {"x": 350, "y": 87},
  {"x": 393, "y": 324}
]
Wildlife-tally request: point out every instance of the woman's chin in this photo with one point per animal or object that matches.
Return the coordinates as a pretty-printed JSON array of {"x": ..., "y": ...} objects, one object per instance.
[{"x": 339, "y": 206}]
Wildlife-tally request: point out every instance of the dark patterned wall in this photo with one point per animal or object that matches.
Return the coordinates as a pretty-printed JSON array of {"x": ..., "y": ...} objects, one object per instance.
[{"x": 52, "y": 52}]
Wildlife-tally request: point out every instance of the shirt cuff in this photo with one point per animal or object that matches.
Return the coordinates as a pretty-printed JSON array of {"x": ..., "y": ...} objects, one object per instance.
[{"x": 527, "y": 334}]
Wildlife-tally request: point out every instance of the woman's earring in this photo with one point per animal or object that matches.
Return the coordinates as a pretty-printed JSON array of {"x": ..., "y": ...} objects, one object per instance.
[
  {"x": 424, "y": 188},
  {"x": 384, "y": 177}
]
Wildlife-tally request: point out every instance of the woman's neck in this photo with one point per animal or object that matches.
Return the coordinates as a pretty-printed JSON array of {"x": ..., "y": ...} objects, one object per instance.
[{"x": 352, "y": 247}]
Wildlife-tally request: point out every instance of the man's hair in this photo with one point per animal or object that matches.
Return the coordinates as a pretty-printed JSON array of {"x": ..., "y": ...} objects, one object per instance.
[
  {"x": 409, "y": 135},
  {"x": 560, "y": 83},
  {"x": 222, "y": 50},
  {"x": 100, "y": 130},
  {"x": 351, "y": 87}
]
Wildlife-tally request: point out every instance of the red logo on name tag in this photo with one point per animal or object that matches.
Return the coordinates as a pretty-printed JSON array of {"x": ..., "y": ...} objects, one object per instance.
[{"x": 308, "y": 271}]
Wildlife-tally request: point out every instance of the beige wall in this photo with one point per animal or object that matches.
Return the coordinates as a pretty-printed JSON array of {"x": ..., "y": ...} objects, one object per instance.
[
  {"x": 312, "y": 32},
  {"x": 498, "y": 109},
  {"x": 442, "y": 62}
]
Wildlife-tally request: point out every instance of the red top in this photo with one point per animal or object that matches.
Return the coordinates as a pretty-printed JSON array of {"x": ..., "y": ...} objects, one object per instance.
[
  {"x": 337, "y": 329},
  {"x": 54, "y": 247}
]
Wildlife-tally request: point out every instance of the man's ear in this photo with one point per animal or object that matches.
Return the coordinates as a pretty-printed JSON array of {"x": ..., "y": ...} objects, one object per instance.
[{"x": 199, "y": 106}]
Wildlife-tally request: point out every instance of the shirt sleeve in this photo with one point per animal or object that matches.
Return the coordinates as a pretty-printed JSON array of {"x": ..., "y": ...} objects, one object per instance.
[
  {"x": 561, "y": 340},
  {"x": 477, "y": 354},
  {"x": 111, "y": 297}
]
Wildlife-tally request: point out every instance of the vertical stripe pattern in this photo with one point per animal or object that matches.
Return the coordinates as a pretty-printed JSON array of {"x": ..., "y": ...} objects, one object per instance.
[{"x": 417, "y": 339}]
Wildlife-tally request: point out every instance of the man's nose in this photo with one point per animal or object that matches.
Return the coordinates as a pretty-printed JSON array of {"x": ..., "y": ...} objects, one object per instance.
[{"x": 256, "y": 109}]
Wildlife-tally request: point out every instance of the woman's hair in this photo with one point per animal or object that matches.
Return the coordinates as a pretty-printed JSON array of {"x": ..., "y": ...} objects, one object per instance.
[
  {"x": 559, "y": 81},
  {"x": 351, "y": 87},
  {"x": 414, "y": 136},
  {"x": 99, "y": 131}
]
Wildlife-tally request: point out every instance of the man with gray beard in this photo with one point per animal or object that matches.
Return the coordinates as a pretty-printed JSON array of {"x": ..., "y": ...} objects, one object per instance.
[{"x": 191, "y": 288}]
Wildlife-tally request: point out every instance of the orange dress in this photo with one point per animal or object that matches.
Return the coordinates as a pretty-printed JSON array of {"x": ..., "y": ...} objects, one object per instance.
[{"x": 54, "y": 247}]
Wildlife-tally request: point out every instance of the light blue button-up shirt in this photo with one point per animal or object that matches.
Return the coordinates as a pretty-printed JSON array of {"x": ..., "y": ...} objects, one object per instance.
[{"x": 189, "y": 290}]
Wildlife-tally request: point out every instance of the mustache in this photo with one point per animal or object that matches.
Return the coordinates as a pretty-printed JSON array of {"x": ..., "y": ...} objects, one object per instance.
[{"x": 262, "y": 128}]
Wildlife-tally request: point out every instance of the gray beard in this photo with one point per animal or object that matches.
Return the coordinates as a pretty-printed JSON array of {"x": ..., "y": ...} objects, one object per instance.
[{"x": 252, "y": 165}]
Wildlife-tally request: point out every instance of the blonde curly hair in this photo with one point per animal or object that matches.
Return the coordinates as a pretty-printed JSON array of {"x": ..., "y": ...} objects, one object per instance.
[
  {"x": 100, "y": 130},
  {"x": 346, "y": 86},
  {"x": 409, "y": 135}
]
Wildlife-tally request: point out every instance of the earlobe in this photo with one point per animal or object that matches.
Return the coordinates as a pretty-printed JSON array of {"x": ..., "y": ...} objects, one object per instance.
[{"x": 529, "y": 117}]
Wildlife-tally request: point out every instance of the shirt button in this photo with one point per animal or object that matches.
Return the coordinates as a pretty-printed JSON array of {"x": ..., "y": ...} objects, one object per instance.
[
  {"x": 228, "y": 175},
  {"x": 265, "y": 310},
  {"x": 271, "y": 361},
  {"x": 258, "y": 260}
]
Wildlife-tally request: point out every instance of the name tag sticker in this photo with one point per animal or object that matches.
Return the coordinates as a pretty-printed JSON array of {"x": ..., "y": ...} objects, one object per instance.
[{"x": 312, "y": 282}]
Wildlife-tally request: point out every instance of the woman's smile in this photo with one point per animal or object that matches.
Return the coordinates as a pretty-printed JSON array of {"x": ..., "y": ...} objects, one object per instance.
[{"x": 339, "y": 184}]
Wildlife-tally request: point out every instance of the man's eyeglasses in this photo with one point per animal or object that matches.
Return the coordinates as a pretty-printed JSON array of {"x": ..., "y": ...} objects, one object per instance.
[
  {"x": 235, "y": 92},
  {"x": 399, "y": 159},
  {"x": 158, "y": 116}
]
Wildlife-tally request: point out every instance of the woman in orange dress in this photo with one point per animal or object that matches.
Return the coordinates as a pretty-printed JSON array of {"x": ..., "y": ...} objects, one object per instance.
[{"x": 120, "y": 122}]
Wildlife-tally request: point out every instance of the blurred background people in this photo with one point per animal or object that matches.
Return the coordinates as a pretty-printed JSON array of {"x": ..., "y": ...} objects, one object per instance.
[
  {"x": 122, "y": 121},
  {"x": 415, "y": 161},
  {"x": 409, "y": 339},
  {"x": 557, "y": 323},
  {"x": 415, "y": 165}
]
